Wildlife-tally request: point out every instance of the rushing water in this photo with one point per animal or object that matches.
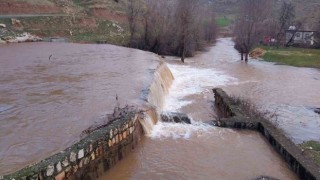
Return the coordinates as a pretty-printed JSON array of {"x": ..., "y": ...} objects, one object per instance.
[
  {"x": 290, "y": 92},
  {"x": 46, "y": 104},
  {"x": 198, "y": 150}
]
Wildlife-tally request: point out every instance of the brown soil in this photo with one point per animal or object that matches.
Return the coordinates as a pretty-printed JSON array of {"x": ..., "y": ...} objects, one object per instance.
[
  {"x": 107, "y": 14},
  {"x": 87, "y": 22},
  {"x": 11, "y": 7}
]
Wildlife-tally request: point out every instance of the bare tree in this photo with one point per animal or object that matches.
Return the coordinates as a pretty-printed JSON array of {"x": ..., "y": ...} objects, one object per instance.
[
  {"x": 185, "y": 18},
  {"x": 133, "y": 12},
  {"x": 158, "y": 24},
  {"x": 286, "y": 17},
  {"x": 317, "y": 34},
  {"x": 171, "y": 27},
  {"x": 247, "y": 29},
  {"x": 196, "y": 26}
]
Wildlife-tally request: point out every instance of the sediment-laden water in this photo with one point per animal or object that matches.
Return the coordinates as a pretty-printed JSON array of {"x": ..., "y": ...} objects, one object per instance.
[
  {"x": 291, "y": 92},
  {"x": 45, "y": 104},
  {"x": 198, "y": 150}
]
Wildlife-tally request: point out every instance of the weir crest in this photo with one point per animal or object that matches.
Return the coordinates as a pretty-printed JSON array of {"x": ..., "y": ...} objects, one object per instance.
[{"x": 158, "y": 89}]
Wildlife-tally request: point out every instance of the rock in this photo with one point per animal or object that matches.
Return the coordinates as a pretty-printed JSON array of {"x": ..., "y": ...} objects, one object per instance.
[
  {"x": 3, "y": 26},
  {"x": 50, "y": 170},
  {"x": 24, "y": 37},
  {"x": 317, "y": 110},
  {"x": 175, "y": 117},
  {"x": 2, "y": 42},
  {"x": 16, "y": 24}
]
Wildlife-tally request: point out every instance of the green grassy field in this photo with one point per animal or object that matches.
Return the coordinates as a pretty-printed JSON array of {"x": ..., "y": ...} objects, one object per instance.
[
  {"x": 223, "y": 21},
  {"x": 38, "y": 2},
  {"x": 298, "y": 57}
]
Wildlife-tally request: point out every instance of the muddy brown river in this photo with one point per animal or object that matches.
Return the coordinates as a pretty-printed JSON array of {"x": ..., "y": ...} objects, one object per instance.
[{"x": 46, "y": 104}]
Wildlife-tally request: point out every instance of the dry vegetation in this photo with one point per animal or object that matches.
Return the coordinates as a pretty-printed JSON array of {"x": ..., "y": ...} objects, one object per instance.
[
  {"x": 250, "y": 110},
  {"x": 178, "y": 27}
]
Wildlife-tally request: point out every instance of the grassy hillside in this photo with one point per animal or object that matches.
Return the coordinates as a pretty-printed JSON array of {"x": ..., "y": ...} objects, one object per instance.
[{"x": 83, "y": 20}]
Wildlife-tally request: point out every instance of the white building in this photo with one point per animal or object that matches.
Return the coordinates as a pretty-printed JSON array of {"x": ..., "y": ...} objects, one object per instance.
[{"x": 300, "y": 37}]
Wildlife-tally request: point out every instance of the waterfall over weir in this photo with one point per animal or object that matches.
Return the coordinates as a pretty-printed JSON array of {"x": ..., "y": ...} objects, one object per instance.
[{"x": 158, "y": 89}]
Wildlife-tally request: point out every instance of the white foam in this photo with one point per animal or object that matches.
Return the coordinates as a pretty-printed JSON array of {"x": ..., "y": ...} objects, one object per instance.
[
  {"x": 179, "y": 130},
  {"x": 189, "y": 81},
  {"x": 147, "y": 124}
]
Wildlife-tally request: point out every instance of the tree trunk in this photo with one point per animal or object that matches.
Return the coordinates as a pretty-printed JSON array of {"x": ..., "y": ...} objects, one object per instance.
[
  {"x": 241, "y": 56},
  {"x": 182, "y": 55},
  {"x": 182, "y": 52},
  {"x": 291, "y": 39},
  {"x": 247, "y": 54}
]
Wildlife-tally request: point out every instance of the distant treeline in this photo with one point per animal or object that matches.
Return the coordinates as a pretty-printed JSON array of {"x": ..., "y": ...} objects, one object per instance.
[{"x": 171, "y": 27}]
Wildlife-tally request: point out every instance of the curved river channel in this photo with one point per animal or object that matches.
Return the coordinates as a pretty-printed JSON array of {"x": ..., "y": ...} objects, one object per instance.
[{"x": 45, "y": 104}]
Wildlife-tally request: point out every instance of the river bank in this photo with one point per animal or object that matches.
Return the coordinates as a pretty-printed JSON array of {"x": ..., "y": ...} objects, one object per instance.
[{"x": 298, "y": 57}]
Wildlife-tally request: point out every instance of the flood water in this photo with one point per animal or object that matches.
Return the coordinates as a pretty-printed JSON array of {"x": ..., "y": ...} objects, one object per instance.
[
  {"x": 291, "y": 92},
  {"x": 46, "y": 104},
  {"x": 200, "y": 151},
  {"x": 207, "y": 153}
]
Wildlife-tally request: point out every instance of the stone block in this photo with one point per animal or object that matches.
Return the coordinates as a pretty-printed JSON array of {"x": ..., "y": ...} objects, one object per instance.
[
  {"x": 86, "y": 160},
  {"x": 50, "y": 170},
  {"x": 131, "y": 130},
  {"x": 90, "y": 147},
  {"x": 61, "y": 176},
  {"x": 75, "y": 168},
  {"x": 117, "y": 139},
  {"x": 124, "y": 134},
  {"x": 93, "y": 157},
  {"x": 81, "y": 163},
  {"x": 111, "y": 134},
  {"x": 65, "y": 163},
  {"x": 58, "y": 167},
  {"x": 81, "y": 154},
  {"x": 73, "y": 157},
  {"x": 110, "y": 143}
]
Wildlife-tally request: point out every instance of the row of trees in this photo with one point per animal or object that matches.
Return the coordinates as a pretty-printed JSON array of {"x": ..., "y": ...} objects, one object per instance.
[
  {"x": 259, "y": 18},
  {"x": 171, "y": 27}
]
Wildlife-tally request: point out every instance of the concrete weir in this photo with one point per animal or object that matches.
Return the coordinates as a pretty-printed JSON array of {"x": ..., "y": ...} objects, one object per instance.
[
  {"x": 231, "y": 117},
  {"x": 90, "y": 157}
]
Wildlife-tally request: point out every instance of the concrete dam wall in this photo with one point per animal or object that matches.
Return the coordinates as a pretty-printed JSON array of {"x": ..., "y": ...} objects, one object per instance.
[
  {"x": 90, "y": 157},
  {"x": 232, "y": 117}
]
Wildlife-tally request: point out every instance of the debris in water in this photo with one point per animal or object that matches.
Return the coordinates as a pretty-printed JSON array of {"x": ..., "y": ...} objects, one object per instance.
[{"x": 175, "y": 117}]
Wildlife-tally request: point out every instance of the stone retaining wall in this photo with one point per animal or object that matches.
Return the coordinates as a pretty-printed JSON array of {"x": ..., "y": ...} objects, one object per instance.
[
  {"x": 230, "y": 116},
  {"x": 90, "y": 157}
]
